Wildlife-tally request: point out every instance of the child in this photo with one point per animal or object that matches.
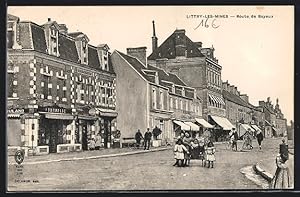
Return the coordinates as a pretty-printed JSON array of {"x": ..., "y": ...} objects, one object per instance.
[
  {"x": 210, "y": 154},
  {"x": 187, "y": 143},
  {"x": 179, "y": 153}
]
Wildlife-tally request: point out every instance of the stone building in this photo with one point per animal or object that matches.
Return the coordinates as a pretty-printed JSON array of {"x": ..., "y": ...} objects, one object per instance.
[
  {"x": 239, "y": 111},
  {"x": 198, "y": 68},
  {"x": 61, "y": 90},
  {"x": 275, "y": 124},
  {"x": 149, "y": 96}
]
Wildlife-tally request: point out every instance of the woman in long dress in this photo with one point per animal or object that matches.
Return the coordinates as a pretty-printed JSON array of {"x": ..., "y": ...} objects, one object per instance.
[{"x": 281, "y": 179}]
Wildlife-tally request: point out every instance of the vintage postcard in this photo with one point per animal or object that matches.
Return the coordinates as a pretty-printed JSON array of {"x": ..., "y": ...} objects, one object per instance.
[{"x": 109, "y": 98}]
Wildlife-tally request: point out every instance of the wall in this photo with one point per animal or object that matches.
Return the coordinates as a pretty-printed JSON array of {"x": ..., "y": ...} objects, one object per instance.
[{"x": 131, "y": 98}]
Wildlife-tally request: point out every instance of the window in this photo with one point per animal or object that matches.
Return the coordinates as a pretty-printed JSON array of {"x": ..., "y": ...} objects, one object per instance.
[
  {"x": 103, "y": 100},
  {"x": 65, "y": 90},
  {"x": 176, "y": 103},
  {"x": 10, "y": 35},
  {"x": 171, "y": 103},
  {"x": 79, "y": 88},
  {"x": 161, "y": 100},
  {"x": 181, "y": 105},
  {"x": 47, "y": 86},
  {"x": 10, "y": 85},
  {"x": 161, "y": 124},
  {"x": 60, "y": 91},
  {"x": 154, "y": 98}
]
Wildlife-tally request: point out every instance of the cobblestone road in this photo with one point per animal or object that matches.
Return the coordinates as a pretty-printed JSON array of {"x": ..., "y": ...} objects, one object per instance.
[{"x": 147, "y": 171}]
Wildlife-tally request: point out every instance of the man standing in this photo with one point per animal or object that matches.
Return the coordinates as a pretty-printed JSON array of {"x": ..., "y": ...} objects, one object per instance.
[
  {"x": 147, "y": 138},
  {"x": 138, "y": 137},
  {"x": 235, "y": 138},
  {"x": 259, "y": 137}
]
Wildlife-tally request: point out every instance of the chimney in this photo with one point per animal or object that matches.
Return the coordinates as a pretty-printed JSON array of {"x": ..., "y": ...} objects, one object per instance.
[
  {"x": 231, "y": 87},
  {"x": 49, "y": 19},
  {"x": 154, "y": 38},
  {"x": 245, "y": 97},
  {"x": 139, "y": 53},
  {"x": 63, "y": 28},
  {"x": 235, "y": 90}
]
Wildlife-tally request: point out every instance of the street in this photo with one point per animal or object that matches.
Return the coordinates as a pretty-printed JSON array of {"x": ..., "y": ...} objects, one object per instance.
[{"x": 147, "y": 171}]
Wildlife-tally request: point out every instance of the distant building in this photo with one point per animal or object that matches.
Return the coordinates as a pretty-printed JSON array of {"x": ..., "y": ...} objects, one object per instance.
[
  {"x": 149, "y": 96},
  {"x": 61, "y": 90},
  {"x": 275, "y": 124},
  {"x": 239, "y": 111},
  {"x": 198, "y": 68}
]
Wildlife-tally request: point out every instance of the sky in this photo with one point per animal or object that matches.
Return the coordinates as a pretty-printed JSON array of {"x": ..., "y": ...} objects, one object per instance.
[{"x": 256, "y": 53}]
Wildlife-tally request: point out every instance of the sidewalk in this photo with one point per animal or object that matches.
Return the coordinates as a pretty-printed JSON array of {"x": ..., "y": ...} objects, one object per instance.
[
  {"x": 266, "y": 168},
  {"x": 84, "y": 155}
]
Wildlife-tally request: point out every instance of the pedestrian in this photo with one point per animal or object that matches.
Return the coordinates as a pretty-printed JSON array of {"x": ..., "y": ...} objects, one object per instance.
[
  {"x": 187, "y": 143},
  {"x": 147, "y": 139},
  {"x": 210, "y": 152},
  {"x": 92, "y": 144},
  {"x": 234, "y": 137},
  {"x": 179, "y": 153},
  {"x": 138, "y": 138},
  {"x": 98, "y": 142},
  {"x": 201, "y": 150},
  {"x": 282, "y": 178},
  {"x": 259, "y": 137}
]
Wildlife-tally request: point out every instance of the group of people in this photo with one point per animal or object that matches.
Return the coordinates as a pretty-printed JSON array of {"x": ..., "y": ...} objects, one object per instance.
[
  {"x": 95, "y": 143},
  {"x": 247, "y": 138},
  {"x": 147, "y": 139},
  {"x": 190, "y": 147}
]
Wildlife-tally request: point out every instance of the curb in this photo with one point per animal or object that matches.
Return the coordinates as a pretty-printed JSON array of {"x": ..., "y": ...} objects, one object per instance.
[
  {"x": 266, "y": 175},
  {"x": 95, "y": 157}
]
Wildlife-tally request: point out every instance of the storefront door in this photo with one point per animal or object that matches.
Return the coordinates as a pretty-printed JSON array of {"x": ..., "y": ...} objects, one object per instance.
[
  {"x": 53, "y": 128},
  {"x": 107, "y": 130},
  {"x": 84, "y": 136}
]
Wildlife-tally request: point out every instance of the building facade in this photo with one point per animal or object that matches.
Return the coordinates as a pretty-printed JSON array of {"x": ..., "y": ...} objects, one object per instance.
[
  {"x": 149, "y": 97},
  {"x": 61, "y": 90},
  {"x": 275, "y": 124},
  {"x": 198, "y": 68}
]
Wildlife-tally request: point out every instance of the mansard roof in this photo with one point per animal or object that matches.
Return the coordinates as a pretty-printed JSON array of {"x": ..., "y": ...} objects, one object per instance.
[{"x": 168, "y": 48}]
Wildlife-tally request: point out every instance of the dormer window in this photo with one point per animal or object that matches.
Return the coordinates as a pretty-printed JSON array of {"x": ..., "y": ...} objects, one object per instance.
[
  {"x": 102, "y": 50},
  {"x": 12, "y": 36},
  {"x": 84, "y": 52},
  {"x": 53, "y": 45}
]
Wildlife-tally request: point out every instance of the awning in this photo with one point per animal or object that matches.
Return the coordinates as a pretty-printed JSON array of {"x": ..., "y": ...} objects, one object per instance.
[
  {"x": 59, "y": 116},
  {"x": 213, "y": 98},
  {"x": 106, "y": 112},
  {"x": 182, "y": 125},
  {"x": 223, "y": 122},
  {"x": 203, "y": 122},
  {"x": 247, "y": 127},
  {"x": 218, "y": 100},
  {"x": 255, "y": 127},
  {"x": 222, "y": 101},
  {"x": 268, "y": 123},
  {"x": 13, "y": 115},
  {"x": 193, "y": 126},
  {"x": 87, "y": 117}
]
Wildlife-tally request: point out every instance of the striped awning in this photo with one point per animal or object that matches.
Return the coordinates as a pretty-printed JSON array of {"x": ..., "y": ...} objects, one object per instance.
[
  {"x": 182, "y": 125},
  {"x": 204, "y": 123},
  {"x": 13, "y": 115},
  {"x": 255, "y": 127}
]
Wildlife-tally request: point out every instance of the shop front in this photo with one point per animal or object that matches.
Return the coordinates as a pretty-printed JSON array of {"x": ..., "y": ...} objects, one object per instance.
[
  {"x": 104, "y": 126},
  {"x": 222, "y": 127},
  {"x": 56, "y": 129},
  {"x": 14, "y": 125}
]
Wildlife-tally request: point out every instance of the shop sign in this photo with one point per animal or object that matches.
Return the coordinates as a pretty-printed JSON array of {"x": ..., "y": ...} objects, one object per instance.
[
  {"x": 15, "y": 111},
  {"x": 54, "y": 110},
  {"x": 92, "y": 112}
]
